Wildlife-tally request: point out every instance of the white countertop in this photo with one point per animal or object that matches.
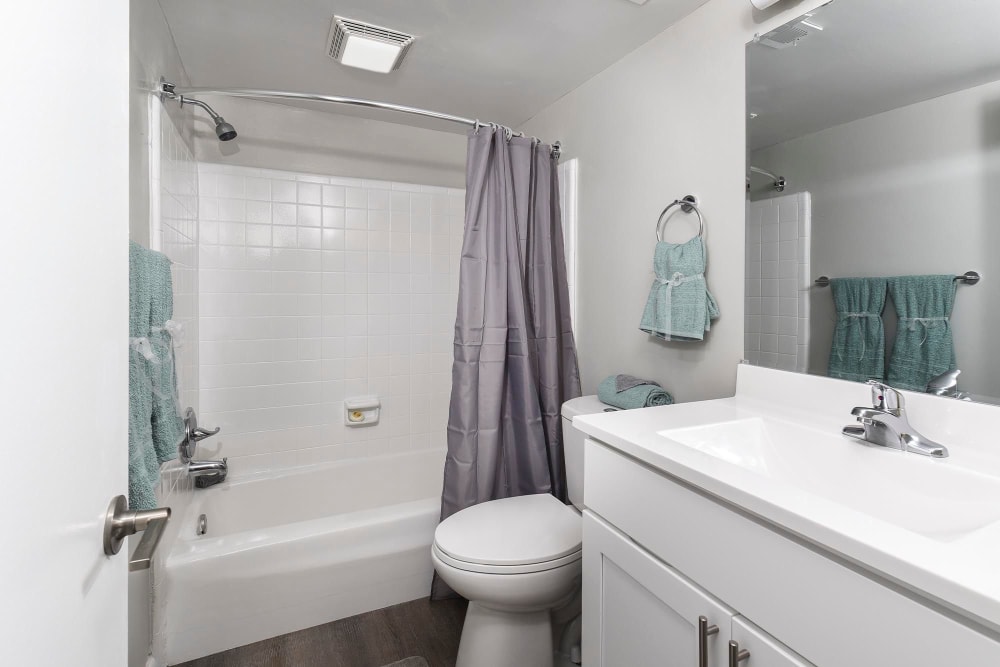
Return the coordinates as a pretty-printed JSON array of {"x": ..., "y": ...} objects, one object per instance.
[{"x": 961, "y": 573}]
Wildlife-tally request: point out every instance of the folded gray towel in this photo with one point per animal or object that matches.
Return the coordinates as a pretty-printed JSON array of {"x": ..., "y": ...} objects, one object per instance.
[{"x": 623, "y": 382}]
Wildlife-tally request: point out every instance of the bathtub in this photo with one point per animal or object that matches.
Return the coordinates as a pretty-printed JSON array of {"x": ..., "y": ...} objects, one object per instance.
[{"x": 292, "y": 549}]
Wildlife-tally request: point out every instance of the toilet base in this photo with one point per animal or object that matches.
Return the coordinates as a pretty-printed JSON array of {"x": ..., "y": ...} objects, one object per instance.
[{"x": 492, "y": 638}]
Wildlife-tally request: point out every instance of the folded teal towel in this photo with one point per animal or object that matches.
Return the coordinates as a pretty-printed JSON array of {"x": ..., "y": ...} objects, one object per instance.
[
  {"x": 636, "y": 396},
  {"x": 924, "y": 346},
  {"x": 679, "y": 306},
  {"x": 150, "y": 375}
]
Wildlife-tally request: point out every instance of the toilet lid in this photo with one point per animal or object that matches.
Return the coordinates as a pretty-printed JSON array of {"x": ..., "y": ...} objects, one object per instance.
[{"x": 511, "y": 531}]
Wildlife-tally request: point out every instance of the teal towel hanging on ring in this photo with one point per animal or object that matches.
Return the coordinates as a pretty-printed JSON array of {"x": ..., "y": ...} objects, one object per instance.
[{"x": 679, "y": 306}]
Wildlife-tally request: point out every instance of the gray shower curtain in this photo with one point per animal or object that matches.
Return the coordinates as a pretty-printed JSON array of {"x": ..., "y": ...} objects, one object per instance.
[{"x": 515, "y": 357}]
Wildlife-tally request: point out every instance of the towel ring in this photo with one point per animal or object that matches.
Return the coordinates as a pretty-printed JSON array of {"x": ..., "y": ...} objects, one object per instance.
[{"x": 688, "y": 204}]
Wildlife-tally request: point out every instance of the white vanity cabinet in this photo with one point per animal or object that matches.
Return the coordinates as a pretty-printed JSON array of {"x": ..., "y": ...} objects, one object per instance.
[
  {"x": 640, "y": 612},
  {"x": 659, "y": 553}
]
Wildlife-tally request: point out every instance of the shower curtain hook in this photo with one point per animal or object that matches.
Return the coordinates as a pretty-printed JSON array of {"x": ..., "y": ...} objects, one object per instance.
[{"x": 478, "y": 125}]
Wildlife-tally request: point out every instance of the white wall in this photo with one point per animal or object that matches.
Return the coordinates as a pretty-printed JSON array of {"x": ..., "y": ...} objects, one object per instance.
[
  {"x": 318, "y": 288},
  {"x": 665, "y": 121},
  {"x": 278, "y": 136},
  {"x": 909, "y": 191}
]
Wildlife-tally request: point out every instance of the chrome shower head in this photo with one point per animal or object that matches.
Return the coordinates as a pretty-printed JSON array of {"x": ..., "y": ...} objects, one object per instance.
[{"x": 224, "y": 130}]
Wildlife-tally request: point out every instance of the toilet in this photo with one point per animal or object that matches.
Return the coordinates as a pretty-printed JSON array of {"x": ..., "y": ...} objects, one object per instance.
[{"x": 516, "y": 560}]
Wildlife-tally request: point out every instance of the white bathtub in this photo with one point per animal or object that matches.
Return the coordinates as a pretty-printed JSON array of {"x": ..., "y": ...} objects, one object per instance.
[{"x": 297, "y": 548}]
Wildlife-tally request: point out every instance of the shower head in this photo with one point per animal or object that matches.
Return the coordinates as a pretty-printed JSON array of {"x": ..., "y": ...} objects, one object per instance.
[{"x": 223, "y": 130}]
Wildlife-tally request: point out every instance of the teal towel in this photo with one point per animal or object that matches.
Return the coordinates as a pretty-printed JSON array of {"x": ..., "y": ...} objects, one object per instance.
[
  {"x": 638, "y": 396},
  {"x": 858, "y": 349},
  {"x": 924, "y": 347},
  {"x": 143, "y": 468},
  {"x": 148, "y": 362},
  {"x": 168, "y": 427},
  {"x": 679, "y": 306}
]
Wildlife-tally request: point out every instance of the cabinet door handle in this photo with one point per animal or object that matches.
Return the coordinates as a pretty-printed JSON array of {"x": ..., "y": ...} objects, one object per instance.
[
  {"x": 736, "y": 656},
  {"x": 704, "y": 632}
]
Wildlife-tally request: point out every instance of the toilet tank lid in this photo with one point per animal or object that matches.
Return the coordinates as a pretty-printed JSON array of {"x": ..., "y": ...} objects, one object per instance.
[{"x": 584, "y": 405}]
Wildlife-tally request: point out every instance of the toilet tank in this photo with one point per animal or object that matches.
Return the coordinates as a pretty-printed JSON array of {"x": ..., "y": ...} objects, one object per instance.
[{"x": 573, "y": 442}]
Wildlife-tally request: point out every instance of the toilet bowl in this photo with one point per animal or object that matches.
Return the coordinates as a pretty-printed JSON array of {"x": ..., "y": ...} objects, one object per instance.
[{"x": 515, "y": 560}]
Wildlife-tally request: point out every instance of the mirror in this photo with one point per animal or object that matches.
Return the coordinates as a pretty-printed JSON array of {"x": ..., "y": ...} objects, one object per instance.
[{"x": 873, "y": 137}]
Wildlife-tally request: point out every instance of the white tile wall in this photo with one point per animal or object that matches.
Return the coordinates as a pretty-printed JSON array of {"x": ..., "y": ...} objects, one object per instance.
[
  {"x": 778, "y": 282},
  {"x": 568, "y": 184},
  {"x": 174, "y": 191},
  {"x": 317, "y": 288}
]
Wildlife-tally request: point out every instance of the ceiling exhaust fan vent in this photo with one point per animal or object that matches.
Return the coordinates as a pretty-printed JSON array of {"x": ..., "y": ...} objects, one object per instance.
[
  {"x": 372, "y": 47},
  {"x": 784, "y": 36}
]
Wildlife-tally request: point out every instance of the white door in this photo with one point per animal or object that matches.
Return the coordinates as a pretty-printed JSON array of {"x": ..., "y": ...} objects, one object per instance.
[
  {"x": 64, "y": 329},
  {"x": 641, "y": 613}
]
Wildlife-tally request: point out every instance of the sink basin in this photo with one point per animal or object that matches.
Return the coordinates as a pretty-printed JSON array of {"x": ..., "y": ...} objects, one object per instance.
[{"x": 931, "y": 497}]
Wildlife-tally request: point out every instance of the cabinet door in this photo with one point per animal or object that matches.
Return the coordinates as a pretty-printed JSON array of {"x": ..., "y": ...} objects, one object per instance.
[
  {"x": 763, "y": 649},
  {"x": 639, "y": 612}
]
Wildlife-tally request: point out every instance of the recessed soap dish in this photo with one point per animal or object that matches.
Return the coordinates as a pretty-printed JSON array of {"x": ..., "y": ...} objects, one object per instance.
[{"x": 362, "y": 411}]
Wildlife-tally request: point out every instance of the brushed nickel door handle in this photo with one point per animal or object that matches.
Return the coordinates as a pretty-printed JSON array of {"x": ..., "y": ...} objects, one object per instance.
[
  {"x": 704, "y": 632},
  {"x": 736, "y": 656},
  {"x": 120, "y": 522}
]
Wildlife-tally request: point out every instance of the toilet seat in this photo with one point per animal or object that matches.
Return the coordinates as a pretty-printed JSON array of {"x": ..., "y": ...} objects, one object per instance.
[
  {"x": 516, "y": 535},
  {"x": 525, "y": 568}
]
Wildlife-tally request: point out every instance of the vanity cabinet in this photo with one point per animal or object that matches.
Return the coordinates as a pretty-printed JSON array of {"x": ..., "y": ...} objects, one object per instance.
[
  {"x": 659, "y": 553},
  {"x": 642, "y": 613}
]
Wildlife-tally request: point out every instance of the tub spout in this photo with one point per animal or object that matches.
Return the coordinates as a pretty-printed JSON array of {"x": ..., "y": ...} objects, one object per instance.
[{"x": 208, "y": 473}]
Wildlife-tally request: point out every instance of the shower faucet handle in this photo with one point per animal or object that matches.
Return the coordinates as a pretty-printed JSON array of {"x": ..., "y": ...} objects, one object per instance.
[
  {"x": 199, "y": 433},
  {"x": 193, "y": 434}
]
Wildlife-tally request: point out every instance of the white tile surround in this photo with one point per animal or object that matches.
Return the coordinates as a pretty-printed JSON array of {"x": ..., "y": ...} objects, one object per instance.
[
  {"x": 778, "y": 281},
  {"x": 174, "y": 222},
  {"x": 317, "y": 288}
]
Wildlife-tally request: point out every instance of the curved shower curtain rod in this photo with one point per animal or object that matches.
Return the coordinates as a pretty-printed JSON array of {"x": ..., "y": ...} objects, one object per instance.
[
  {"x": 779, "y": 181},
  {"x": 171, "y": 90}
]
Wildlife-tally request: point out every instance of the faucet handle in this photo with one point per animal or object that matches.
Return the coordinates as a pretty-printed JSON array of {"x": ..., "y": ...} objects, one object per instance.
[{"x": 885, "y": 397}]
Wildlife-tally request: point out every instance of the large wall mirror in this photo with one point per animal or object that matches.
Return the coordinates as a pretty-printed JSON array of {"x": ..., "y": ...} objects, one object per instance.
[{"x": 874, "y": 161}]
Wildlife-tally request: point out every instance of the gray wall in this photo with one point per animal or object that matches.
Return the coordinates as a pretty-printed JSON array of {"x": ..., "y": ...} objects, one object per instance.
[
  {"x": 665, "y": 121},
  {"x": 278, "y": 136},
  {"x": 910, "y": 191}
]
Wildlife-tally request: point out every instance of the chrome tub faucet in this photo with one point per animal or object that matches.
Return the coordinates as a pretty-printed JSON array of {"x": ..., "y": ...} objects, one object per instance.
[
  {"x": 885, "y": 424},
  {"x": 208, "y": 473},
  {"x": 205, "y": 473}
]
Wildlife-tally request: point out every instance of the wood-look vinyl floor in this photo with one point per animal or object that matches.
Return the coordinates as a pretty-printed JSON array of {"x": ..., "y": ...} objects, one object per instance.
[{"x": 418, "y": 628}]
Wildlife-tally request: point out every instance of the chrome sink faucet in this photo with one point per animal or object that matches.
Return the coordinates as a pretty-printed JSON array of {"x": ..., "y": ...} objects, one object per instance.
[{"x": 885, "y": 424}]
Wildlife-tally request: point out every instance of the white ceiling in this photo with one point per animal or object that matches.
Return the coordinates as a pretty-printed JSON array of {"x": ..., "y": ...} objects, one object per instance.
[
  {"x": 496, "y": 61},
  {"x": 871, "y": 57}
]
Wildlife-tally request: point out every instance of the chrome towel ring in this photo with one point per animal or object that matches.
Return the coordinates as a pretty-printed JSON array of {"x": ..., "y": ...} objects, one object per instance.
[{"x": 688, "y": 204}]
